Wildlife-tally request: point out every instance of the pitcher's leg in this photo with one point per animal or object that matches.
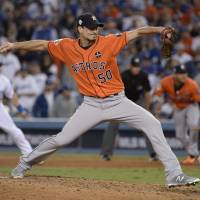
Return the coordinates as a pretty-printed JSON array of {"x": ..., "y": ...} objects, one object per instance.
[
  {"x": 109, "y": 138},
  {"x": 77, "y": 125},
  {"x": 152, "y": 128},
  {"x": 141, "y": 119}
]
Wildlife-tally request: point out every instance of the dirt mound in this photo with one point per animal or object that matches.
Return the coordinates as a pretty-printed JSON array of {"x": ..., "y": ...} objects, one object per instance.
[{"x": 58, "y": 188}]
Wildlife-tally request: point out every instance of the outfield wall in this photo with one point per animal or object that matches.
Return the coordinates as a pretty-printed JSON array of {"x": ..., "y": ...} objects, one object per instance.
[{"x": 36, "y": 130}]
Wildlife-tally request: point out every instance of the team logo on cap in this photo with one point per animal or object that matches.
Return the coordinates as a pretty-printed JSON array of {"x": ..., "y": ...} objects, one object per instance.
[
  {"x": 137, "y": 60},
  {"x": 98, "y": 54},
  {"x": 80, "y": 22}
]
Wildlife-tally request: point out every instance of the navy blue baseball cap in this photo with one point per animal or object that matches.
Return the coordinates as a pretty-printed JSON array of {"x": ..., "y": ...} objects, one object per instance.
[
  {"x": 135, "y": 62},
  {"x": 89, "y": 21}
]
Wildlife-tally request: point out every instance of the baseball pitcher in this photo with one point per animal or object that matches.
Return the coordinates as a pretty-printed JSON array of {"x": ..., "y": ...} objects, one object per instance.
[{"x": 91, "y": 60}]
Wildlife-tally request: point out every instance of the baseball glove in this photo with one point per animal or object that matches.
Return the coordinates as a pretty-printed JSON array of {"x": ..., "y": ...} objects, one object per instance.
[{"x": 168, "y": 36}]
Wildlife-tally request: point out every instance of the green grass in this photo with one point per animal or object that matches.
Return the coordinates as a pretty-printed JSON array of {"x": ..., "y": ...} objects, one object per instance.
[
  {"x": 146, "y": 175},
  {"x": 153, "y": 175},
  {"x": 116, "y": 174},
  {"x": 131, "y": 175}
]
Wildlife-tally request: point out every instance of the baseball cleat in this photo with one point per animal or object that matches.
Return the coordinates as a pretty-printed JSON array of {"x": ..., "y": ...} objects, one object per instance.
[
  {"x": 153, "y": 159},
  {"x": 19, "y": 171},
  {"x": 106, "y": 157},
  {"x": 189, "y": 161},
  {"x": 182, "y": 180},
  {"x": 41, "y": 163}
]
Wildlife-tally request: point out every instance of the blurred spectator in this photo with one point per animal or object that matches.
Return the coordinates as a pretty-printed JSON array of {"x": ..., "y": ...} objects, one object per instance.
[
  {"x": 67, "y": 21},
  {"x": 170, "y": 64},
  {"x": 65, "y": 103},
  {"x": 26, "y": 88},
  {"x": 153, "y": 70},
  {"x": 133, "y": 20},
  {"x": 195, "y": 38},
  {"x": 44, "y": 30},
  {"x": 138, "y": 4},
  {"x": 180, "y": 55},
  {"x": 35, "y": 9},
  {"x": 25, "y": 29},
  {"x": 44, "y": 102},
  {"x": 40, "y": 78},
  {"x": 10, "y": 62},
  {"x": 110, "y": 27},
  {"x": 50, "y": 6},
  {"x": 186, "y": 40}
]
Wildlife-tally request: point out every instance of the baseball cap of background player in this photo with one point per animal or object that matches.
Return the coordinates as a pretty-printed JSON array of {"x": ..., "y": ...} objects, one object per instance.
[
  {"x": 135, "y": 62},
  {"x": 180, "y": 69},
  {"x": 89, "y": 21}
]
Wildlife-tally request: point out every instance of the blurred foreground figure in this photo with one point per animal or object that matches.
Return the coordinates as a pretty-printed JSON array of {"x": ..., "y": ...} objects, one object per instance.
[{"x": 6, "y": 122}]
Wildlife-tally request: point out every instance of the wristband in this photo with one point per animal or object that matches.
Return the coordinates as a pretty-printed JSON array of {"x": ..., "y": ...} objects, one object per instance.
[{"x": 20, "y": 109}]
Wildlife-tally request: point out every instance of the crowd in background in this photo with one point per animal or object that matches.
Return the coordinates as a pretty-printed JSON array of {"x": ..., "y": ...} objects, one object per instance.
[{"x": 44, "y": 86}]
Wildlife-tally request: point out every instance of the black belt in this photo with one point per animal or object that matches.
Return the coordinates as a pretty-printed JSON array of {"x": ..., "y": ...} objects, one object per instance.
[{"x": 115, "y": 94}]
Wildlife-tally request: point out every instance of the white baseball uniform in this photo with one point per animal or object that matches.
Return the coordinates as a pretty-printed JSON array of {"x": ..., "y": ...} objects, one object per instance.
[
  {"x": 10, "y": 66},
  {"x": 6, "y": 122},
  {"x": 24, "y": 86}
]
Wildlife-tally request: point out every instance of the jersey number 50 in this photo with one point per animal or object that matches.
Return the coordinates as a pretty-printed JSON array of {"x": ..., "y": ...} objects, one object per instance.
[{"x": 105, "y": 76}]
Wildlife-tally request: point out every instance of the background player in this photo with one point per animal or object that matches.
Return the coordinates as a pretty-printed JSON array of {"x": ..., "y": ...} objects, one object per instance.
[
  {"x": 137, "y": 88},
  {"x": 7, "y": 124},
  {"x": 91, "y": 60},
  {"x": 184, "y": 93}
]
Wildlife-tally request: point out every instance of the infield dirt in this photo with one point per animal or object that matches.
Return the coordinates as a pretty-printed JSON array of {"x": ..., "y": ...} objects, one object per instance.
[{"x": 62, "y": 188}]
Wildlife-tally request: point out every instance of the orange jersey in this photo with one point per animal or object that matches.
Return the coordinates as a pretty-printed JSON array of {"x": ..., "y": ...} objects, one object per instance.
[
  {"x": 94, "y": 69},
  {"x": 188, "y": 94}
]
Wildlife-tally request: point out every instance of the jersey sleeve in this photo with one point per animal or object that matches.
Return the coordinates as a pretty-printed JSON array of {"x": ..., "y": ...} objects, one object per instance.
[
  {"x": 55, "y": 49},
  {"x": 9, "y": 92},
  {"x": 116, "y": 42}
]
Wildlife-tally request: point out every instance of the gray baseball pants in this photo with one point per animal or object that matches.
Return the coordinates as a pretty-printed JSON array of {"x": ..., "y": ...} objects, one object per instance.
[
  {"x": 186, "y": 120},
  {"x": 109, "y": 140},
  {"x": 119, "y": 108}
]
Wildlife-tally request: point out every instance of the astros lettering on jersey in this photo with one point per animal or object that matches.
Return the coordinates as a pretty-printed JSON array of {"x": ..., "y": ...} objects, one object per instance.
[{"x": 94, "y": 69}]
